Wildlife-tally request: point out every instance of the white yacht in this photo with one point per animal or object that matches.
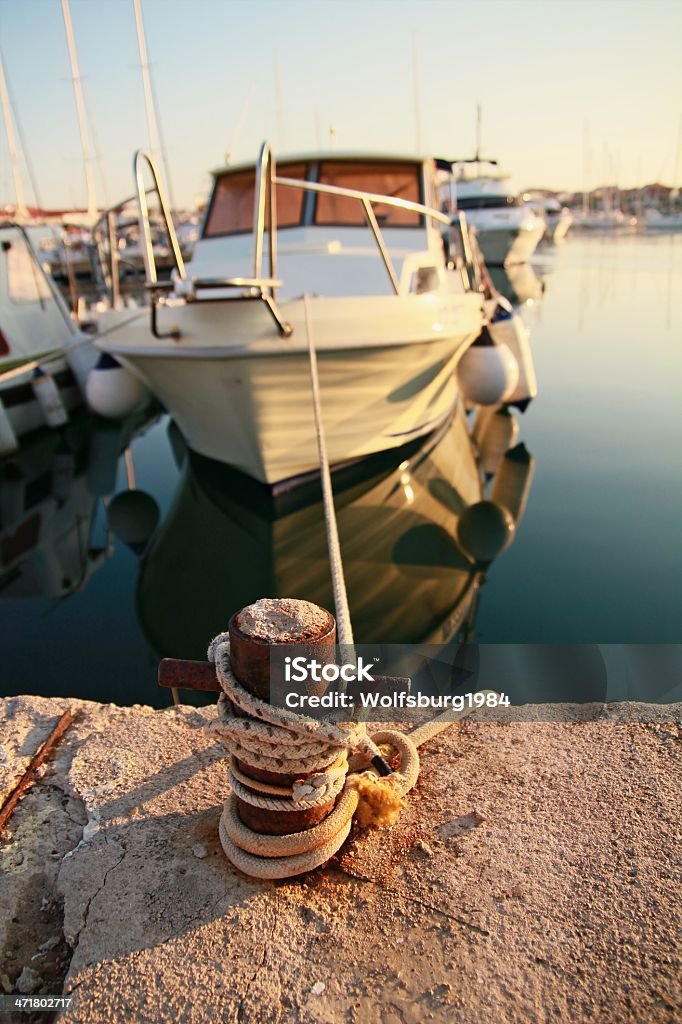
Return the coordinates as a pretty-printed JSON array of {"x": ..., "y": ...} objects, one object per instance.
[
  {"x": 656, "y": 220},
  {"x": 508, "y": 231},
  {"x": 44, "y": 358},
  {"x": 225, "y": 346}
]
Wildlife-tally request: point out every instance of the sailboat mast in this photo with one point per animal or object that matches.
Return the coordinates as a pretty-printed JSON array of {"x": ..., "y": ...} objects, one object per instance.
[
  {"x": 21, "y": 211},
  {"x": 80, "y": 111},
  {"x": 478, "y": 133},
  {"x": 675, "y": 190},
  {"x": 417, "y": 104},
  {"x": 157, "y": 149}
]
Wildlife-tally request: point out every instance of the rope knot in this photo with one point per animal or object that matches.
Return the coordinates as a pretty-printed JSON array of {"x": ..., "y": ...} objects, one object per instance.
[{"x": 380, "y": 800}]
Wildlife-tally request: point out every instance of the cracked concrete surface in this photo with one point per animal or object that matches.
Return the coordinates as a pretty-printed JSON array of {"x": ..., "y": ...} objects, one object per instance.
[{"x": 532, "y": 878}]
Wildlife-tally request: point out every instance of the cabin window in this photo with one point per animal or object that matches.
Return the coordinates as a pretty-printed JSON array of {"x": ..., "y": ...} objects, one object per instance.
[
  {"x": 485, "y": 202},
  {"x": 399, "y": 180},
  {"x": 25, "y": 279},
  {"x": 232, "y": 202}
]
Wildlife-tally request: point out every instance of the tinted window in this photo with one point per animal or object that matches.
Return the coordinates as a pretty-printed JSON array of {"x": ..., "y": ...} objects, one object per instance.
[
  {"x": 398, "y": 180},
  {"x": 485, "y": 202},
  {"x": 231, "y": 211}
]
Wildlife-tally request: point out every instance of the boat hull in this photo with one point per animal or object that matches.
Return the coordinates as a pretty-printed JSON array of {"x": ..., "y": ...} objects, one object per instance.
[
  {"x": 558, "y": 225},
  {"x": 241, "y": 394},
  {"x": 507, "y": 246}
]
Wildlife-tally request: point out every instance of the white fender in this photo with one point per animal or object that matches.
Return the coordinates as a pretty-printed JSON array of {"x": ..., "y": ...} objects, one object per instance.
[
  {"x": 48, "y": 398},
  {"x": 487, "y": 372},
  {"x": 133, "y": 517},
  {"x": 513, "y": 482},
  {"x": 507, "y": 328},
  {"x": 112, "y": 390},
  {"x": 500, "y": 433},
  {"x": 484, "y": 531}
]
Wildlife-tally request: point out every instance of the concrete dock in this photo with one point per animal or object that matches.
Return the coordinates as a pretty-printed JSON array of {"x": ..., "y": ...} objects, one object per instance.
[{"x": 533, "y": 877}]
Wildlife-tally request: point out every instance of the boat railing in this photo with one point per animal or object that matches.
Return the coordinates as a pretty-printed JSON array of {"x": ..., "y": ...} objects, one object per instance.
[
  {"x": 265, "y": 223},
  {"x": 106, "y": 233}
]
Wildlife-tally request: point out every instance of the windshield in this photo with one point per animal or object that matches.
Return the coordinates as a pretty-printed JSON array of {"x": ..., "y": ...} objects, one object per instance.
[
  {"x": 231, "y": 210},
  {"x": 399, "y": 180}
]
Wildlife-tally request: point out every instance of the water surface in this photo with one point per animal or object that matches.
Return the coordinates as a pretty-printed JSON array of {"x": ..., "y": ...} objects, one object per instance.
[{"x": 596, "y": 557}]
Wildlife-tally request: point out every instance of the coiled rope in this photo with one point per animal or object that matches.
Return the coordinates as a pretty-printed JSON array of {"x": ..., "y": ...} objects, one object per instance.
[{"x": 339, "y": 754}]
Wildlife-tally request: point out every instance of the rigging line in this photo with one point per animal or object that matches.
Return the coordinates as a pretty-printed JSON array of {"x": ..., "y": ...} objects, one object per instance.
[{"x": 28, "y": 163}]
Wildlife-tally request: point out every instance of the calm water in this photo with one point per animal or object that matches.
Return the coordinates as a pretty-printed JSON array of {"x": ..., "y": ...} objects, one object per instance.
[{"x": 596, "y": 557}]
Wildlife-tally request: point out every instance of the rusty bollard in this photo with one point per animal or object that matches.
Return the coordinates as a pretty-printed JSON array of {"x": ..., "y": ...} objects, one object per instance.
[{"x": 253, "y": 631}]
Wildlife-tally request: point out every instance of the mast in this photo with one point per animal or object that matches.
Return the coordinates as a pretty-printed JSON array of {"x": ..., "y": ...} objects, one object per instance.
[
  {"x": 21, "y": 211},
  {"x": 675, "y": 190},
  {"x": 155, "y": 144},
  {"x": 417, "y": 104},
  {"x": 477, "y": 155},
  {"x": 80, "y": 111}
]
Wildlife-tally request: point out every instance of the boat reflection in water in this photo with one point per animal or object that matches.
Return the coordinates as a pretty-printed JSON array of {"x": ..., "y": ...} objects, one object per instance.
[
  {"x": 417, "y": 536},
  {"x": 53, "y": 526},
  {"x": 519, "y": 284}
]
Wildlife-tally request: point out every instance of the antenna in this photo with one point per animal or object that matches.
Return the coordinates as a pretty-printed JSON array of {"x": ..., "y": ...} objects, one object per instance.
[
  {"x": 155, "y": 145},
  {"x": 318, "y": 137},
  {"x": 278, "y": 98},
  {"x": 21, "y": 211},
  {"x": 80, "y": 111}
]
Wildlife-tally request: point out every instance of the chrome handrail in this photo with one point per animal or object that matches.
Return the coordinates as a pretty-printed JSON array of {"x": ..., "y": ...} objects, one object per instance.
[
  {"x": 372, "y": 197},
  {"x": 265, "y": 201},
  {"x": 145, "y": 230}
]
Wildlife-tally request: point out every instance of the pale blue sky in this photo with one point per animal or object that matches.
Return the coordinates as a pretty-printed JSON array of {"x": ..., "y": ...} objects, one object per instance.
[{"x": 541, "y": 70}]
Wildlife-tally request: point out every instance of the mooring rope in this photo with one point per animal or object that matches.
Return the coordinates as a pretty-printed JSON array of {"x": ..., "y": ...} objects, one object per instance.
[
  {"x": 343, "y": 622},
  {"x": 359, "y": 792},
  {"x": 282, "y": 741}
]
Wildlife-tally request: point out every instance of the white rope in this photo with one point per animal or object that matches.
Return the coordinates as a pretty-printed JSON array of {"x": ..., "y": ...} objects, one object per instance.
[{"x": 343, "y": 623}]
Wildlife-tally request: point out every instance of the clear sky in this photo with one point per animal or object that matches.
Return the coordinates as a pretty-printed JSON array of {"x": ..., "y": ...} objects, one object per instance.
[{"x": 577, "y": 92}]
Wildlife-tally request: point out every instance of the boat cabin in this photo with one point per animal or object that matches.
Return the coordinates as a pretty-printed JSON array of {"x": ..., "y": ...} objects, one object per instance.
[
  {"x": 325, "y": 244},
  {"x": 33, "y": 317}
]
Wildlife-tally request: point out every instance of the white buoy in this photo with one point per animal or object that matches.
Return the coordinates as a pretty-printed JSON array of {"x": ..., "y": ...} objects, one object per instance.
[
  {"x": 507, "y": 328},
  {"x": 484, "y": 530},
  {"x": 112, "y": 390},
  {"x": 8, "y": 439},
  {"x": 499, "y": 434},
  {"x": 513, "y": 482},
  {"x": 487, "y": 372},
  {"x": 133, "y": 517},
  {"x": 48, "y": 398}
]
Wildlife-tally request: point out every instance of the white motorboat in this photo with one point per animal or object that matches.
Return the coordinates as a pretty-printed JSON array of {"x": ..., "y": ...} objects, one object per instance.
[
  {"x": 508, "y": 231},
  {"x": 225, "y": 348},
  {"x": 656, "y": 220},
  {"x": 603, "y": 220},
  {"x": 44, "y": 358}
]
